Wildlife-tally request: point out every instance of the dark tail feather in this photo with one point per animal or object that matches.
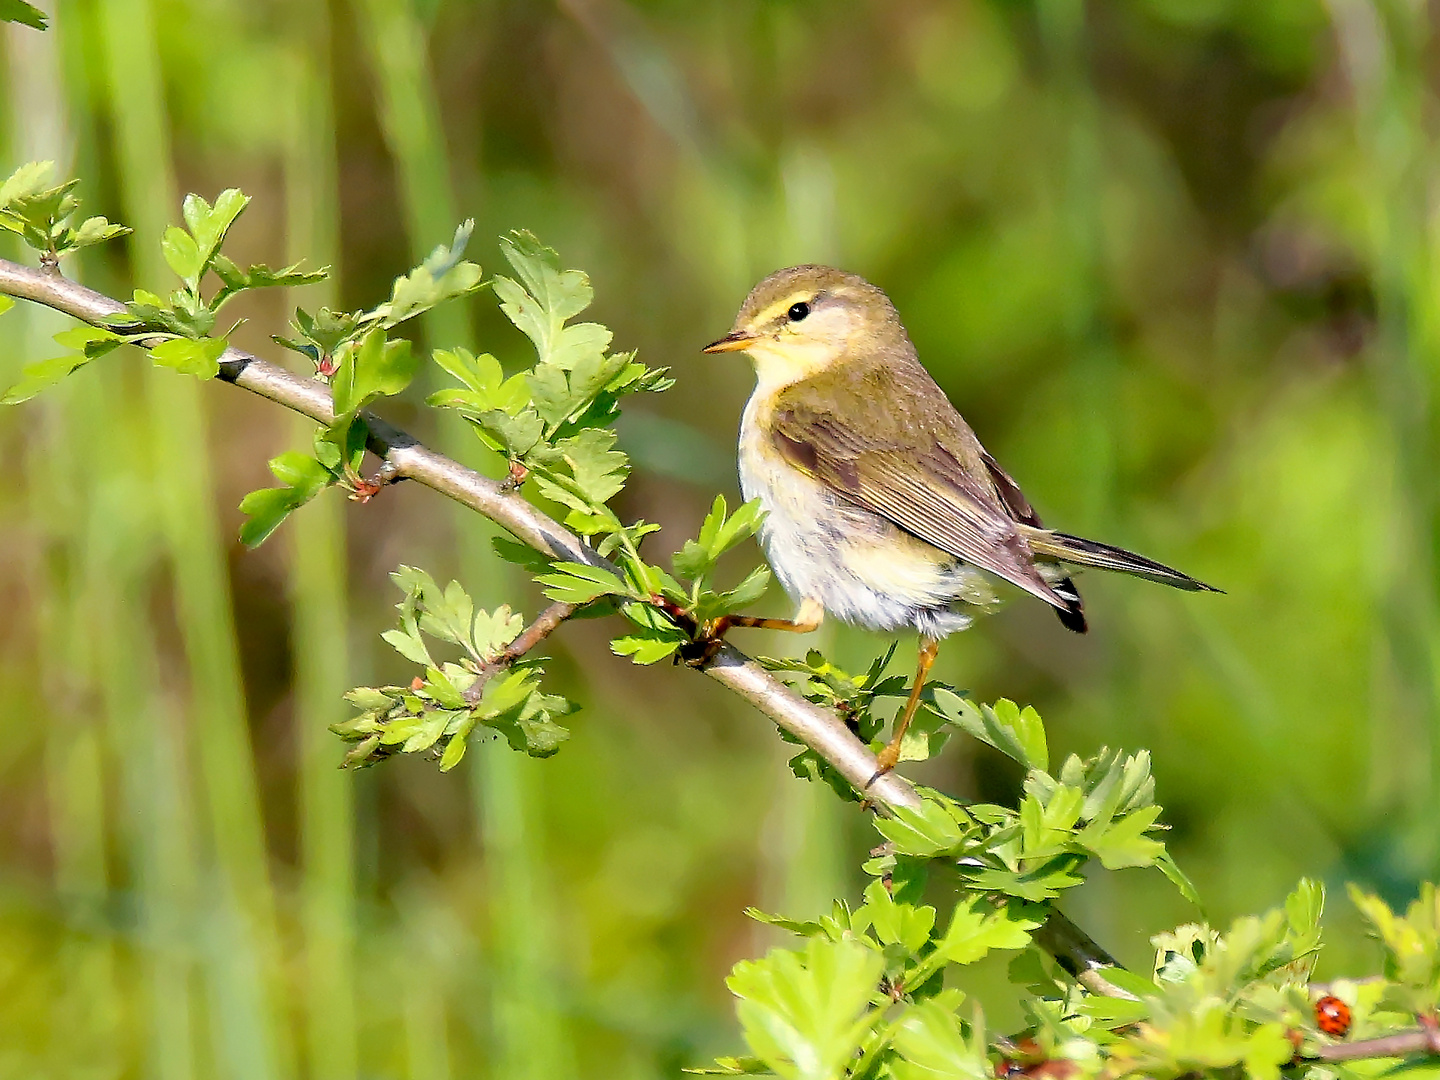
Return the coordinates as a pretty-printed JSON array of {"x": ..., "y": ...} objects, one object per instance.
[
  {"x": 1080, "y": 552},
  {"x": 1072, "y": 615}
]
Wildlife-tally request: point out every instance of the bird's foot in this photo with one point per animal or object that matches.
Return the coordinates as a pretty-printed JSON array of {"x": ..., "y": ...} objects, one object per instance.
[
  {"x": 709, "y": 639},
  {"x": 887, "y": 759}
]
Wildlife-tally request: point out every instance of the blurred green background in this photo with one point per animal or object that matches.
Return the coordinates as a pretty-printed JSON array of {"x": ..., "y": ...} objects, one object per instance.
[{"x": 1176, "y": 261}]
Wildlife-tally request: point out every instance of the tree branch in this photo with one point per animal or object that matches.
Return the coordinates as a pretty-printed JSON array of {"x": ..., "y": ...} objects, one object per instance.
[
  {"x": 1424, "y": 1041},
  {"x": 407, "y": 458}
]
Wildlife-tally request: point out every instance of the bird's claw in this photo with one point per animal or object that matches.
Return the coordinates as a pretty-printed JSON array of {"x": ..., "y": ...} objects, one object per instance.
[
  {"x": 708, "y": 641},
  {"x": 887, "y": 759}
]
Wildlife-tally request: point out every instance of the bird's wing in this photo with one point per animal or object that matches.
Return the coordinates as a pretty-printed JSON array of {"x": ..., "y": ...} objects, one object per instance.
[
  {"x": 913, "y": 473},
  {"x": 1009, "y": 491}
]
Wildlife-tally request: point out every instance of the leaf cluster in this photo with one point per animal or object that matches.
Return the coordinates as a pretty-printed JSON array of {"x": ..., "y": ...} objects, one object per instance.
[
  {"x": 354, "y": 352},
  {"x": 551, "y": 422},
  {"x": 176, "y": 330},
  {"x": 870, "y": 993},
  {"x": 1233, "y": 1002},
  {"x": 847, "y": 1002},
  {"x": 42, "y": 214},
  {"x": 179, "y": 329},
  {"x": 439, "y": 709}
]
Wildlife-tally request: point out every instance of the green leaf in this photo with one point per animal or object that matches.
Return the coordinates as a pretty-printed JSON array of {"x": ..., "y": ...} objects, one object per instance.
[
  {"x": 442, "y": 276},
  {"x": 547, "y": 298},
  {"x": 210, "y": 224},
  {"x": 976, "y": 928},
  {"x": 577, "y": 583},
  {"x": 931, "y": 830},
  {"x": 513, "y": 706},
  {"x": 41, "y": 375},
  {"x": 495, "y": 629},
  {"x": 579, "y": 344},
  {"x": 456, "y": 747},
  {"x": 95, "y": 230},
  {"x": 598, "y": 469},
  {"x": 804, "y": 1013},
  {"x": 931, "y": 1045},
  {"x": 320, "y": 335},
  {"x": 18, "y": 11},
  {"x": 732, "y": 1066},
  {"x": 751, "y": 589},
  {"x": 1017, "y": 733},
  {"x": 512, "y": 551},
  {"x": 1123, "y": 842},
  {"x": 1046, "y": 824},
  {"x": 1178, "y": 878},
  {"x": 447, "y": 615},
  {"x": 191, "y": 357},
  {"x": 25, "y": 182},
  {"x": 1412, "y": 945},
  {"x": 906, "y": 925},
  {"x": 303, "y": 478},
  {"x": 559, "y": 394},
  {"x": 644, "y": 649},
  {"x": 260, "y": 276},
  {"x": 408, "y": 644},
  {"x": 794, "y": 926},
  {"x": 183, "y": 255},
  {"x": 376, "y": 368}
]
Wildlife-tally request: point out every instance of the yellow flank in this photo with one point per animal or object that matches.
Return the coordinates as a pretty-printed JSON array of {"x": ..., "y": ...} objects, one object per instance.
[{"x": 899, "y": 565}]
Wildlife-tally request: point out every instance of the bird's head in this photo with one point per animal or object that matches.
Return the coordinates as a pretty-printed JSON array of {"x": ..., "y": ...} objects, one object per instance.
[{"x": 806, "y": 319}]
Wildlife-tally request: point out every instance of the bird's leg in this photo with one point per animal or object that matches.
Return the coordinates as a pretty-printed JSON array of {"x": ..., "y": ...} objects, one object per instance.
[
  {"x": 808, "y": 618},
  {"x": 891, "y": 754},
  {"x": 712, "y": 635}
]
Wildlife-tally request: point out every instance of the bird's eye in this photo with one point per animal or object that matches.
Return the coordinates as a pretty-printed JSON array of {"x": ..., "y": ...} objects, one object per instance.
[{"x": 798, "y": 311}]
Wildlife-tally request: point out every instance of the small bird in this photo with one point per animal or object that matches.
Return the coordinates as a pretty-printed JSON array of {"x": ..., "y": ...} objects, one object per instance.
[{"x": 883, "y": 509}]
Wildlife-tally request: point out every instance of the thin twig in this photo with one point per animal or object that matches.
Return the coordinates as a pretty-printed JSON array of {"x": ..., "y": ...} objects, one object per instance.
[
  {"x": 814, "y": 726},
  {"x": 544, "y": 625},
  {"x": 1424, "y": 1041}
]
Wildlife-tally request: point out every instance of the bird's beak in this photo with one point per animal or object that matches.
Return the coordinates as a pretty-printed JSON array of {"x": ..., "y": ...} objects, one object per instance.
[{"x": 734, "y": 341}]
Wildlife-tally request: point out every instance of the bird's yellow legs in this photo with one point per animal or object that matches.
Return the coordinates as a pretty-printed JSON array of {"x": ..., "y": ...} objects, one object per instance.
[
  {"x": 891, "y": 754},
  {"x": 712, "y": 634},
  {"x": 808, "y": 618}
]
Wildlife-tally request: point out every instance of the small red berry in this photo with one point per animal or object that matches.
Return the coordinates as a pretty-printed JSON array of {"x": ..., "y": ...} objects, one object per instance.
[{"x": 1332, "y": 1016}]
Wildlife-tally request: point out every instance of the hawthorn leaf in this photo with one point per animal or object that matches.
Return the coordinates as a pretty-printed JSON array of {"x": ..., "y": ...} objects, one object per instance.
[{"x": 191, "y": 356}]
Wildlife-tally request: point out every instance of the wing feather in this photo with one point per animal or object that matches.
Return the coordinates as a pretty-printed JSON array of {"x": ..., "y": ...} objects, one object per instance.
[{"x": 918, "y": 484}]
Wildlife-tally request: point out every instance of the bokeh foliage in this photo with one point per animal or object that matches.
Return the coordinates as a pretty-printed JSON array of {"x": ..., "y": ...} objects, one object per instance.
[{"x": 1172, "y": 259}]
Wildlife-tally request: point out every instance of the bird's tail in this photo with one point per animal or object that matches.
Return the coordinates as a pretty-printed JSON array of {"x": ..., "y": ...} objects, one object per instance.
[{"x": 1079, "y": 552}]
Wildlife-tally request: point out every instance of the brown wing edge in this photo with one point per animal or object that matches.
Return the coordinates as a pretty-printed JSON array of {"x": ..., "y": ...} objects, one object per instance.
[{"x": 1072, "y": 615}]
